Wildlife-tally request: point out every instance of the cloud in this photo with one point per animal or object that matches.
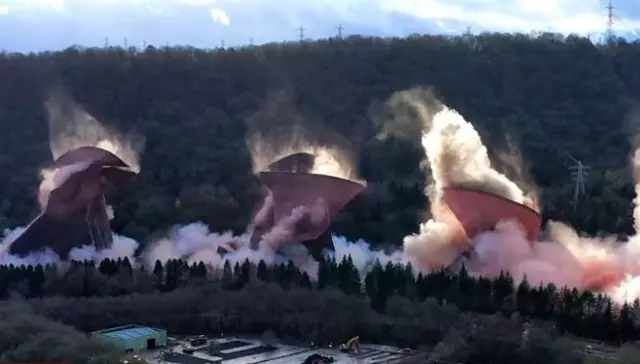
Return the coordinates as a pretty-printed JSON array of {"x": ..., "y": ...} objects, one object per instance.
[
  {"x": 55, "y": 24},
  {"x": 562, "y": 16},
  {"x": 197, "y": 2},
  {"x": 219, "y": 16},
  {"x": 35, "y": 5}
]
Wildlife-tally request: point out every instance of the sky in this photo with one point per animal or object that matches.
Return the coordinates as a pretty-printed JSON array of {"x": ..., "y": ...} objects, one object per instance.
[{"x": 38, "y": 25}]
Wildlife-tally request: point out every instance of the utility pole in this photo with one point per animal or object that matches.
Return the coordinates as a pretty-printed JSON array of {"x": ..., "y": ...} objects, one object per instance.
[
  {"x": 340, "y": 31},
  {"x": 301, "y": 33},
  {"x": 221, "y": 43},
  {"x": 579, "y": 173},
  {"x": 250, "y": 42},
  {"x": 126, "y": 43},
  {"x": 611, "y": 19},
  {"x": 106, "y": 42},
  {"x": 467, "y": 33}
]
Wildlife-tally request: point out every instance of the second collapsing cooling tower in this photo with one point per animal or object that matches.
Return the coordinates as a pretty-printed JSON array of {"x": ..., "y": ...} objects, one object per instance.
[
  {"x": 321, "y": 197},
  {"x": 74, "y": 211},
  {"x": 475, "y": 212}
]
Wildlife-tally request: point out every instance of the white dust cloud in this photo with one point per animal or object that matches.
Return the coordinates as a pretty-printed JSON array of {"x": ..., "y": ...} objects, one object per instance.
[
  {"x": 277, "y": 129},
  {"x": 458, "y": 158},
  {"x": 122, "y": 247},
  {"x": 71, "y": 127},
  {"x": 293, "y": 134},
  {"x": 455, "y": 157},
  {"x": 329, "y": 161},
  {"x": 195, "y": 243}
]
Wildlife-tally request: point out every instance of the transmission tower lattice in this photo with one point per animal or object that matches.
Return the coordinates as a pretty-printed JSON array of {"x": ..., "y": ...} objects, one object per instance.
[
  {"x": 579, "y": 172},
  {"x": 611, "y": 20}
]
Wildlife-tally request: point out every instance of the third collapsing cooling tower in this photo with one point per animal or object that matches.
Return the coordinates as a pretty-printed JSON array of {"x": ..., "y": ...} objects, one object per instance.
[
  {"x": 74, "y": 211},
  {"x": 473, "y": 212},
  {"x": 293, "y": 186}
]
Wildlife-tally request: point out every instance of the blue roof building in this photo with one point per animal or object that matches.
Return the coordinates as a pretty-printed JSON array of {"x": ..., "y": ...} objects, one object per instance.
[{"x": 133, "y": 338}]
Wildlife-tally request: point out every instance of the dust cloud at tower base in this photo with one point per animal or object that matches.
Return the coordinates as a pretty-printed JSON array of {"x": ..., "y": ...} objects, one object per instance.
[
  {"x": 300, "y": 208},
  {"x": 458, "y": 160},
  {"x": 479, "y": 217},
  {"x": 74, "y": 216},
  {"x": 74, "y": 211}
]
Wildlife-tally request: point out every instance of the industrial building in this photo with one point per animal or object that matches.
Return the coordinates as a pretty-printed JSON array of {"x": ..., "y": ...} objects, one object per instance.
[{"x": 133, "y": 338}]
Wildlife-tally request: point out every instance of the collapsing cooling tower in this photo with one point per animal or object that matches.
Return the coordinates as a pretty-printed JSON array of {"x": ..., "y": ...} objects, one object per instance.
[
  {"x": 292, "y": 186},
  {"x": 74, "y": 212},
  {"x": 474, "y": 212}
]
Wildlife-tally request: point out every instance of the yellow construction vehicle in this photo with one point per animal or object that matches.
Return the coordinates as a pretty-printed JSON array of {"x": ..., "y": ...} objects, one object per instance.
[{"x": 353, "y": 345}]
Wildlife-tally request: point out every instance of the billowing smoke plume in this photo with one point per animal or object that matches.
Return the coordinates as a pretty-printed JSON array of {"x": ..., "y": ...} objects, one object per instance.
[
  {"x": 455, "y": 157},
  {"x": 122, "y": 247},
  {"x": 195, "y": 243},
  {"x": 294, "y": 134},
  {"x": 71, "y": 127},
  {"x": 454, "y": 150}
]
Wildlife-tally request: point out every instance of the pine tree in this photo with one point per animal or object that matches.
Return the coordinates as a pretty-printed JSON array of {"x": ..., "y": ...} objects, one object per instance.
[
  {"x": 227, "y": 272},
  {"x": 263, "y": 271}
]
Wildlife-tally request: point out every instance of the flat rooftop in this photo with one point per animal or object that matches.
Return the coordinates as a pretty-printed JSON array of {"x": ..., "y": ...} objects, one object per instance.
[
  {"x": 250, "y": 351},
  {"x": 127, "y": 332}
]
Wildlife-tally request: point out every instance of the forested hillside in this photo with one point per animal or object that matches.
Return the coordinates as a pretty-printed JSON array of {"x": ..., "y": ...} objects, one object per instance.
[{"x": 549, "y": 95}]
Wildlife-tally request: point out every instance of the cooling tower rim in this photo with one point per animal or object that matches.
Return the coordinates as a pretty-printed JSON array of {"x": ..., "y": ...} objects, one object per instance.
[
  {"x": 316, "y": 175},
  {"x": 494, "y": 195},
  {"x": 122, "y": 168},
  {"x": 116, "y": 162}
]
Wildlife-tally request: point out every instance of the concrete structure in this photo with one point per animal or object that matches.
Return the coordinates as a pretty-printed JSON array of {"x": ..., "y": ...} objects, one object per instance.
[
  {"x": 292, "y": 185},
  {"x": 74, "y": 211},
  {"x": 473, "y": 212},
  {"x": 133, "y": 338}
]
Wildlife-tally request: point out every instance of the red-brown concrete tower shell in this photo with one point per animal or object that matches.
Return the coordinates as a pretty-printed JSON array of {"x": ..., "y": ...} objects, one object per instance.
[
  {"x": 291, "y": 186},
  {"x": 74, "y": 213},
  {"x": 473, "y": 212}
]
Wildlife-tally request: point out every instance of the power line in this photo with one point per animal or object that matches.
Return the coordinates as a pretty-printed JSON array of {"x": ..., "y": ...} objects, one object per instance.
[
  {"x": 301, "y": 33},
  {"x": 579, "y": 171},
  {"x": 340, "y": 31},
  {"x": 555, "y": 145}
]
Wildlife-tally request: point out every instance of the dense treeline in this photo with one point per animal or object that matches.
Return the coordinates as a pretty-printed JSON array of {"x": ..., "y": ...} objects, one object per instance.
[
  {"x": 584, "y": 314},
  {"x": 555, "y": 96},
  {"x": 28, "y": 337},
  {"x": 552, "y": 94}
]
